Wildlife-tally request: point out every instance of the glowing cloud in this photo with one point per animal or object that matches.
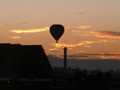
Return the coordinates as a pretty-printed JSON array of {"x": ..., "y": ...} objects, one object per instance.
[
  {"x": 100, "y": 34},
  {"x": 27, "y": 31},
  {"x": 73, "y": 45},
  {"x": 81, "y": 44},
  {"x": 106, "y": 35},
  {"x": 82, "y": 27}
]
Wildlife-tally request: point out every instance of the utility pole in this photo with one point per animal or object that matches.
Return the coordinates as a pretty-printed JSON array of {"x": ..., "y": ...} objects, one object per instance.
[{"x": 65, "y": 58}]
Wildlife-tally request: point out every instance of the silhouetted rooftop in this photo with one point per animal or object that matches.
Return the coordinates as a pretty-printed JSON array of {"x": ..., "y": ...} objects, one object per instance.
[{"x": 23, "y": 59}]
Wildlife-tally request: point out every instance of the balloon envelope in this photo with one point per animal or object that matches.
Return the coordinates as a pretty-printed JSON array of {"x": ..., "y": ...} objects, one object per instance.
[{"x": 57, "y": 31}]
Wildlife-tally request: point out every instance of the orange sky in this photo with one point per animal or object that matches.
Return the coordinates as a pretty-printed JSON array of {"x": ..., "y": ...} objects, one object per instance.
[{"x": 90, "y": 25}]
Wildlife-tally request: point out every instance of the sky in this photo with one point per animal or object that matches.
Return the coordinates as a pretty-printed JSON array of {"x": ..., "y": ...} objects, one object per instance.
[{"x": 91, "y": 26}]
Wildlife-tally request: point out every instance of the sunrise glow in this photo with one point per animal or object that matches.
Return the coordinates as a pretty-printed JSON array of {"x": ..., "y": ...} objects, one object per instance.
[
  {"x": 27, "y": 31},
  {"x": 90, "y": 25}
]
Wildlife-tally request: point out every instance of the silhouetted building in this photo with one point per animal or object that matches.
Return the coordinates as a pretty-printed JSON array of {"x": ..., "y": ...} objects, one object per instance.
[{"x": 23, "y": 60}]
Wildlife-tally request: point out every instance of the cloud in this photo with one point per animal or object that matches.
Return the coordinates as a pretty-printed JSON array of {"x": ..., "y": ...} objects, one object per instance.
[
  {"x": 88, "y": 30},
  {"x": 106, "y": 34},
  {"x": 73, "y": 45},
  {"x": 84, "y": 27},
  {"x": 110, "y": 33},
  {"x": 86, "y": 44},
  {"x": 28, "y": 31},
  {"x": 62, "y": 45},
  {"x": 77, "y": 28}
]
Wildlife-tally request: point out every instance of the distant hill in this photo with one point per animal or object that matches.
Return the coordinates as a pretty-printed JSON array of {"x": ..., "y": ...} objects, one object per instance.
[{"x": 89, "y": 64}]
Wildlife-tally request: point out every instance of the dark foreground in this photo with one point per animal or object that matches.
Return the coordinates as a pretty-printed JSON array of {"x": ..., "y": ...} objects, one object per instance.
[
  {"x": 93, "y": 80},
  {"x": 27, "y": 67}
]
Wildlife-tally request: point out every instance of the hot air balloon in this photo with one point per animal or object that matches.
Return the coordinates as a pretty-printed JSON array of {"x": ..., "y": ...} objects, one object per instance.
[{"x": 57, "y": 31}]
